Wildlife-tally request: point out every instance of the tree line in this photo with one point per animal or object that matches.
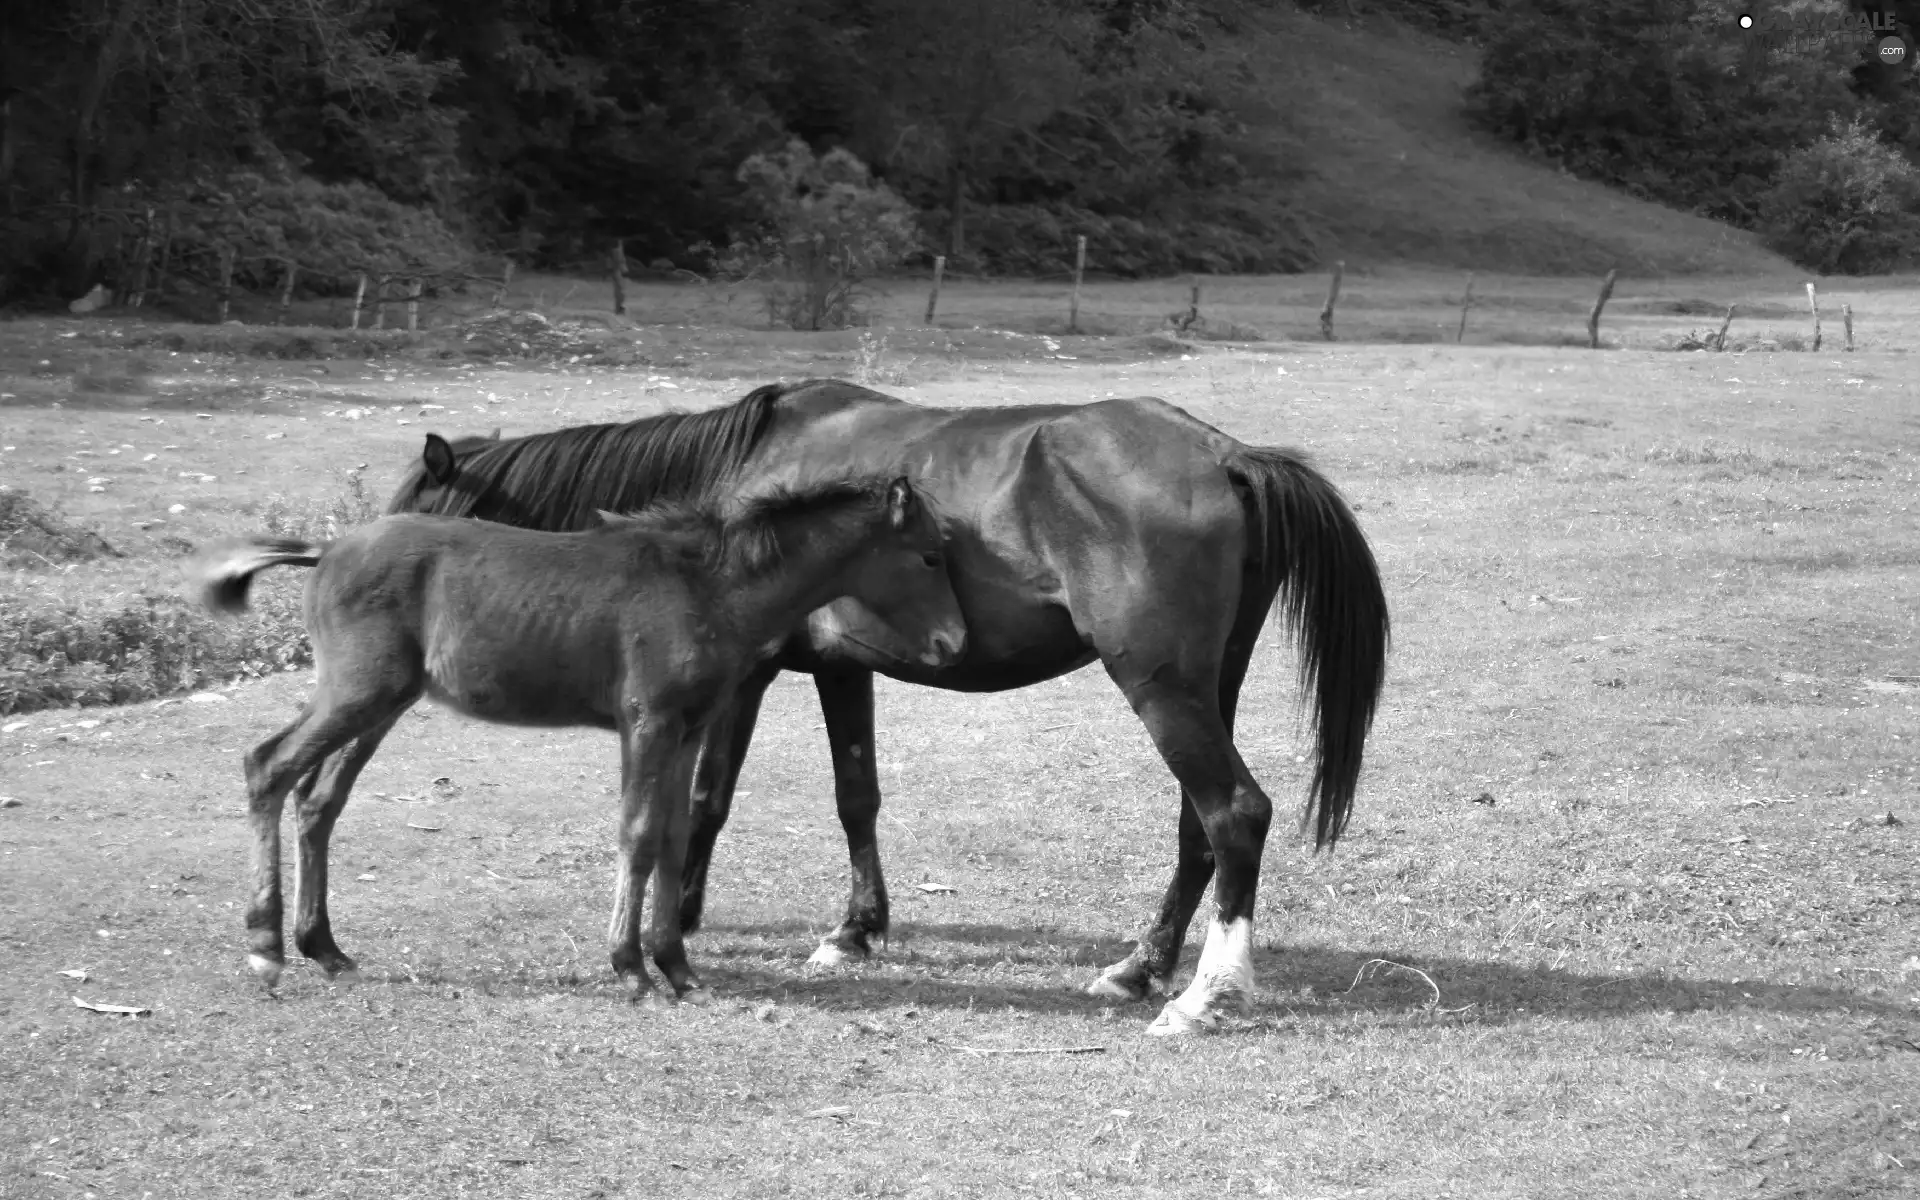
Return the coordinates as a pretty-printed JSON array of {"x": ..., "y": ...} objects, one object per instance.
[{"x": 308, "y": 142}]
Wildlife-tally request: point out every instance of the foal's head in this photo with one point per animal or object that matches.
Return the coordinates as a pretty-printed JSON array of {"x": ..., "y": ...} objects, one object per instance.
[{"x": 897, "y": 571}]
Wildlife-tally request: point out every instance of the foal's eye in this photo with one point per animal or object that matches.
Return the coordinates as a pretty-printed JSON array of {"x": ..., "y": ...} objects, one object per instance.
[{"x": 931, "y": 558}]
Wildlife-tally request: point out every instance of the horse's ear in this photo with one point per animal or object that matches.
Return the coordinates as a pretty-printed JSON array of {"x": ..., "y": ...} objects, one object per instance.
[
  {"x": 496, "y": 434},
  {"x": 437, "y": 458},
  {"x": 899, "y": 503}
]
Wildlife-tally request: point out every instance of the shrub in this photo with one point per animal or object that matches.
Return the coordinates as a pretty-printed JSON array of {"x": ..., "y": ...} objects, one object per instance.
[
  {"x": 31, "y": 533},
  {"x": 143, "y": 643},
  {"x": 833, "y": 227},
  {"x": 1847, "y": 202}
]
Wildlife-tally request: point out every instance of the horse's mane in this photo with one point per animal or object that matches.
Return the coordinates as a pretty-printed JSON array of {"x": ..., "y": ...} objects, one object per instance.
[
  {"x": 742, "y": 535},
  {"x": 562, "y": 479}
]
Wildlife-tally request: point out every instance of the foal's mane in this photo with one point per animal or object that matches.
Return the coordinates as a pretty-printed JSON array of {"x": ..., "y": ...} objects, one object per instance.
[
  {"x": 562, "y": 479},
  {"x": 743, "y": 535}
]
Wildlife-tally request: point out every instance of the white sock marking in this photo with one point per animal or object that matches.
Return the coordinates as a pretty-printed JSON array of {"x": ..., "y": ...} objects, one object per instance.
[{"x": 1225, "y": 973}]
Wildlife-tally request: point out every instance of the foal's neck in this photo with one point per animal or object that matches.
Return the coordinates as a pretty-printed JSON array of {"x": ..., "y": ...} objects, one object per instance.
[{"x": 816, "y": 551}]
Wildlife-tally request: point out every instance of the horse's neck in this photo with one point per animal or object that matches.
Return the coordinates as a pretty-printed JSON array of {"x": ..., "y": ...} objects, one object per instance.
[{"x": 815, "y": 556}]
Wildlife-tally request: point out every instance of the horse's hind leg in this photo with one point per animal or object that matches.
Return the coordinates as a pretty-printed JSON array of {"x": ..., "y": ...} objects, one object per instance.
[
  {"x": 726, "y": 749},
  {"x": 1234, "y": 813},
  {"x": 846, "y": 698},
  {"x": 1149, "y": 968},
  {"x": 312, "y": 932}
]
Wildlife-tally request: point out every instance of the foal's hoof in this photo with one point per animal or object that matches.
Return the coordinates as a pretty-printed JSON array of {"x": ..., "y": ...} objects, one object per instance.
[
  {"x": 833, "y": 954},
  {"x": 347, "y": 976},
  {"x": 1175, "y": 1021},
  {"x": 268, "y": 969},
  {"x": 697, "y": 996}
]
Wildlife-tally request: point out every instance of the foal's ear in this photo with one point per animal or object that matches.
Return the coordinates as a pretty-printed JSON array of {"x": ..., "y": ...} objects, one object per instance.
[
  {"x": 900, "y": 503},
  {"x": 437, "y": 458}
]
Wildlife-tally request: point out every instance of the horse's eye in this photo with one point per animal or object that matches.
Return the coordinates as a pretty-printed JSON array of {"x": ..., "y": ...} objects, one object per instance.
[{"x": 931, "y": 558}]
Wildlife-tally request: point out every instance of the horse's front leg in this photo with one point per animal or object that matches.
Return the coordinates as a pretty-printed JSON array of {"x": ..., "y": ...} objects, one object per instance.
[
  {"x": 719, "y": 772},
  {"x": 846, "y": 698}
]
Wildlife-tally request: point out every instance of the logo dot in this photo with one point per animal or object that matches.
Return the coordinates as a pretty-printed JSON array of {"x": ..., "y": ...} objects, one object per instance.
[{"x": 1746, "y": 21}]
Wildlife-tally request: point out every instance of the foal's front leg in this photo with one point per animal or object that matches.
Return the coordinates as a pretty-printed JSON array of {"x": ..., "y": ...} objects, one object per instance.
[{"x": 656, "y": 759}]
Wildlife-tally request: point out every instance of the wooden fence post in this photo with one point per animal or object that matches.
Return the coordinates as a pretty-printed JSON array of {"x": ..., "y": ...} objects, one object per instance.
[
  {"x": 1333, "y": 297},
  {"x": 933, "y": 297},
  {"x": 159, "y": 281},
  {"x": 1813, "y": 302},
  {"x": 413, "y": 306},
  {"x": 1720, "y": 339},
  {"x": 359, "y": 297},
  {"x": 619, "y": 278},
  {"x": 506, "y": 281},
  {"x": 1466, "y": 301},
  {"x": 226, "y": 282},
  {"x": 380, "y": 302},
  {"x": 1846, "y": 319},
  {"x": 1079, "y": 270},
  {"x": 1593, "y": 319},
  {"x": 143, "y": 260},
  {"x": 286, "y": 293}
]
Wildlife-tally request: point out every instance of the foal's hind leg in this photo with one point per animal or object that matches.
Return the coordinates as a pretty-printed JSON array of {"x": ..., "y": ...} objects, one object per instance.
[
  {"x": 312, "y": 932},
  {"x": 325, "y": 725}
]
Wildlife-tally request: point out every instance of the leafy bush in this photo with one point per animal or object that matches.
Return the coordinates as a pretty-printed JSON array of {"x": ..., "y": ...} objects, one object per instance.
[
  {"x": 833, "y": 227},
  {"x": 31, "y": 533},
  {"x": 142, "y": 643},
  {"x": 1848, "y": 202}
]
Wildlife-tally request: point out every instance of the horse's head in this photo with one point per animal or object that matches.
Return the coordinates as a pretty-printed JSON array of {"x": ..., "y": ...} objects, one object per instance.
[{"x": 430, "y": 484}]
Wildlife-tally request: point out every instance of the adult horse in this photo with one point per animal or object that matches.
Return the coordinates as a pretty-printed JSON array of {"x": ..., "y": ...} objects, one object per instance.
[{"x": 1125, "y": 531}]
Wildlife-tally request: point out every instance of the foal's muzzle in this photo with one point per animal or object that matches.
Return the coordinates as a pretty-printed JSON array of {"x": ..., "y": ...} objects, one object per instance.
[{"x": 947, "y": 649}]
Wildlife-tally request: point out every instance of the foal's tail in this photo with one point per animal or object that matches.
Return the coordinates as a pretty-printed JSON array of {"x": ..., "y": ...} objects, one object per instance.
[
  {"x": 1309, "y": 551},
  {"x": 222, "y": 574}
]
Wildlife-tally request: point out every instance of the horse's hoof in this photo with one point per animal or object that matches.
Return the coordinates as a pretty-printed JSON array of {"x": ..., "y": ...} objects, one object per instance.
[
  {"x": 346, "y": 974},
  {"x": 1113, "y": 986},
  {"x": 697, "y": 996},
  {"x": 832, "y": 954},
  {"x": 268, "y": 969},
  {"x": 1174, "y": 1021},
  {"x": 637, "y": 987}
]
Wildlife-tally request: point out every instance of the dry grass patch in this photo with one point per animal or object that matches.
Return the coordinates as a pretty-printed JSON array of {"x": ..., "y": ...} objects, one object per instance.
[{"x": 1650, "y": 708}]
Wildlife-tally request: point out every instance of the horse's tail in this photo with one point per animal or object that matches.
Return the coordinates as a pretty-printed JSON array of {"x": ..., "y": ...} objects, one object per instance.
[
  {"x": 1310, "y": 553},
  {"x": 221, "y": 574}
]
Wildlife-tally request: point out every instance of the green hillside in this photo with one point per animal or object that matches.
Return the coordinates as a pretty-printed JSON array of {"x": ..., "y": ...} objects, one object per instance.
[{"x": 1396, "y": 174}]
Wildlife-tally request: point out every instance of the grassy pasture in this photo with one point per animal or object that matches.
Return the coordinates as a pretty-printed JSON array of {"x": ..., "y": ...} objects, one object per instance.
[{"x": 1659, "y": 609}]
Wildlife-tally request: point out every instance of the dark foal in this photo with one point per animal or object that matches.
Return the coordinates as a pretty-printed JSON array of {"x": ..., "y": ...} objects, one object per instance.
[
  {"x": 645, "y": 625},
  {"x": 1123, "y": 532}
]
